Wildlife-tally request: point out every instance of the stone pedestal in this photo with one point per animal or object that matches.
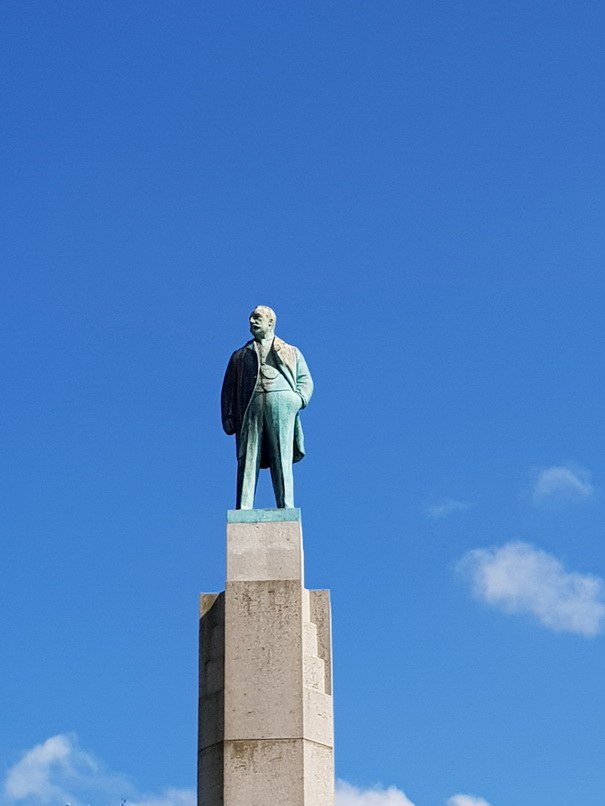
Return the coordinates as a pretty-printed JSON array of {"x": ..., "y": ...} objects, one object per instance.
[{"x": 265, "y": 707}]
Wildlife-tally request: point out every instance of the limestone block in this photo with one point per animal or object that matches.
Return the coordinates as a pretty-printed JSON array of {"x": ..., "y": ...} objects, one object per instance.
[
  {"x": 318, "y": 775},
  {"x": 264, "y": 551},
  {"x": 309, "y": 638},
  {"x": 264, "y": 773},
  {"x": 320, "y": 615},
  {"x": 212, "y": 676},
  {"x": 306, "y": 604},
  {"x": 263, "y": 660},
  {"x": 318, "y": 717},
  {"x": 211, "y": 776},
  {"x": 314, "y": 673}
]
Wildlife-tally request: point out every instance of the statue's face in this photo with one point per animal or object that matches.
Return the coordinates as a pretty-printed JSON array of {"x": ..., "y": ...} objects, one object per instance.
[{"x": 261, "y": 324}]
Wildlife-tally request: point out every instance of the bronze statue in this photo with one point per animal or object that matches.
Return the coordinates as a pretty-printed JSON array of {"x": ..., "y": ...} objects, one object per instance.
[{"x": 266, "y": 384}]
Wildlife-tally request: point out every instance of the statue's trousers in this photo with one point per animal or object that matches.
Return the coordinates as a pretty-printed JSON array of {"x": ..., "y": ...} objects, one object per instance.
[{"x": 268, "y": 428}]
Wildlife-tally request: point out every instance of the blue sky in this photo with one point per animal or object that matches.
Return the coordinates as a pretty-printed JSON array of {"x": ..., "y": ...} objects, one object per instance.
[{"x": 418, "y": 189}]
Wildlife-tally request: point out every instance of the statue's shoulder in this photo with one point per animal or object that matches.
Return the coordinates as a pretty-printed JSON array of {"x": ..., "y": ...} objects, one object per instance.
[
  {"x": 242, "y": 352},
  {"x": 280, "y": 346}
]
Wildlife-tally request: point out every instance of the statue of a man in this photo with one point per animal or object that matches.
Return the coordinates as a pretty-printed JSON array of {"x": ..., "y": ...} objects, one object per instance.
[{"x": 266, "y": 384}]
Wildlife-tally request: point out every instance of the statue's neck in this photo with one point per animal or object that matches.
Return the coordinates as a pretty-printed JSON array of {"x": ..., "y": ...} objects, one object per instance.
[{"x": 266, "y": 342}]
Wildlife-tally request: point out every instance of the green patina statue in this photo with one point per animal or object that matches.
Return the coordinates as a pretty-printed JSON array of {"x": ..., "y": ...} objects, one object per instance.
[{"x": 266, "y": 384}]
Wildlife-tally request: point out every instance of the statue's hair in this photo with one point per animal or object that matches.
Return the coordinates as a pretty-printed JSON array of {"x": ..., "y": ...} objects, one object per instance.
[{"x": 269, "y": 311}]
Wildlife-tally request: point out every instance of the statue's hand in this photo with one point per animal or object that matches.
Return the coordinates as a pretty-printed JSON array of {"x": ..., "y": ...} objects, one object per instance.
[{"x": 229, "y": 425}]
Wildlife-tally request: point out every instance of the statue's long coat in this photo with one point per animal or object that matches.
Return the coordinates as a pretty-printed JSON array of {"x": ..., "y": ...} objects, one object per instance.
[{"x": 240, "y": 380}]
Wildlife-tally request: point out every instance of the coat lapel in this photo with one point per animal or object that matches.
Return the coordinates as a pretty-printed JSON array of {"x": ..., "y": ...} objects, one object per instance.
[{"x": 280, "y": 350}]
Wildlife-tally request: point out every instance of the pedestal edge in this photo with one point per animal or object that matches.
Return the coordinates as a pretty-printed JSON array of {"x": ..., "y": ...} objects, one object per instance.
[{"x": 262, "y": 515}]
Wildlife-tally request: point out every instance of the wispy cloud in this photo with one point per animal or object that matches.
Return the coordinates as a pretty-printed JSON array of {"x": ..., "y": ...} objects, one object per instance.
[
  {"x": 518, "y": 578},
  {"x": 348, "y": 795},
  {"x": 59, "y": 773},
  {"x": 445, "y": 508},
  {"x": 35, "y": 775},
  {"x": 466, "y": 800},
  {"x": 56, "y": 771},
  {"x": 561, "y": 483}
]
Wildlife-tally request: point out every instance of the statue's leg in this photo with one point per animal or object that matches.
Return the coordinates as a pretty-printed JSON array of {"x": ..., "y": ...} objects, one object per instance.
[
  {"x": 279, "y": 419},
  {"x": 248, "y": 462}
]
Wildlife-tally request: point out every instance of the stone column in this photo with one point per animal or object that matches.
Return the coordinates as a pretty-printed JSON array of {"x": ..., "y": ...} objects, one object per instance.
[{"x": 265, "y": 708}]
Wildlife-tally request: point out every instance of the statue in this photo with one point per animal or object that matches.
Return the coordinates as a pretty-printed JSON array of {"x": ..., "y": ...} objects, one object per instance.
[{"x": 266, "y": 384}]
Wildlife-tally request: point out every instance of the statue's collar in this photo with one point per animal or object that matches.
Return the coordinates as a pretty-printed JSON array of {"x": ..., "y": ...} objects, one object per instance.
[{"x": 277, "y": 344}]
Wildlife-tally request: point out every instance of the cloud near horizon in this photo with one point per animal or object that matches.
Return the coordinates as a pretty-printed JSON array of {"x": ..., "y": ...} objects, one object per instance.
[
  {"x": 41, "y": 770},
  {"x": 466, "y": 800},
  {"x": 58, "y": 772},
  {"x": 348, "y": 795},
  {"x": 561, "y": 484},
  {"x": 518, "y": 578}
]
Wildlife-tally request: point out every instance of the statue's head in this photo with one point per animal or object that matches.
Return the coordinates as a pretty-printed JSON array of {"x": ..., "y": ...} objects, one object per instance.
[{"x": 262, "y": 322}]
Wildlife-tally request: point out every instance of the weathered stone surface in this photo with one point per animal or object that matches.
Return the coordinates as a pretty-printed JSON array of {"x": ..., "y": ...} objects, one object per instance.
[
  {"x": 266, "y": 725},
  {"x": 264, "y": 551},
  {"x": 257, "y": 770},
  {"x": 318, "y": 773},
  {"x": 211, "y": 776},
  {"x": 212, "y": 675},
  {"x": 320, "y": 615},
  {"x": 263, "y": 660}
]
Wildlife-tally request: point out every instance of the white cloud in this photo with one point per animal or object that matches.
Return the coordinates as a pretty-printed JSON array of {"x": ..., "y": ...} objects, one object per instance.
[
  {"x": 562, "y": 483},
  {"x": 44, "y": 771},
  {"x": 348, "y": 795},
  {"x": 518, "y": 578},
  {"x": 466, "y": 800},
  {"x": 446, "y": 507},
  {"x": 57, "y": 772}
]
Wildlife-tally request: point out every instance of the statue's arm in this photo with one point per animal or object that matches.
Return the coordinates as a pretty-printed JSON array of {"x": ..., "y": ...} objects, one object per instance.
[
  {"x": 304, "y": 381},
  {"x": 228, "y": 400}
]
